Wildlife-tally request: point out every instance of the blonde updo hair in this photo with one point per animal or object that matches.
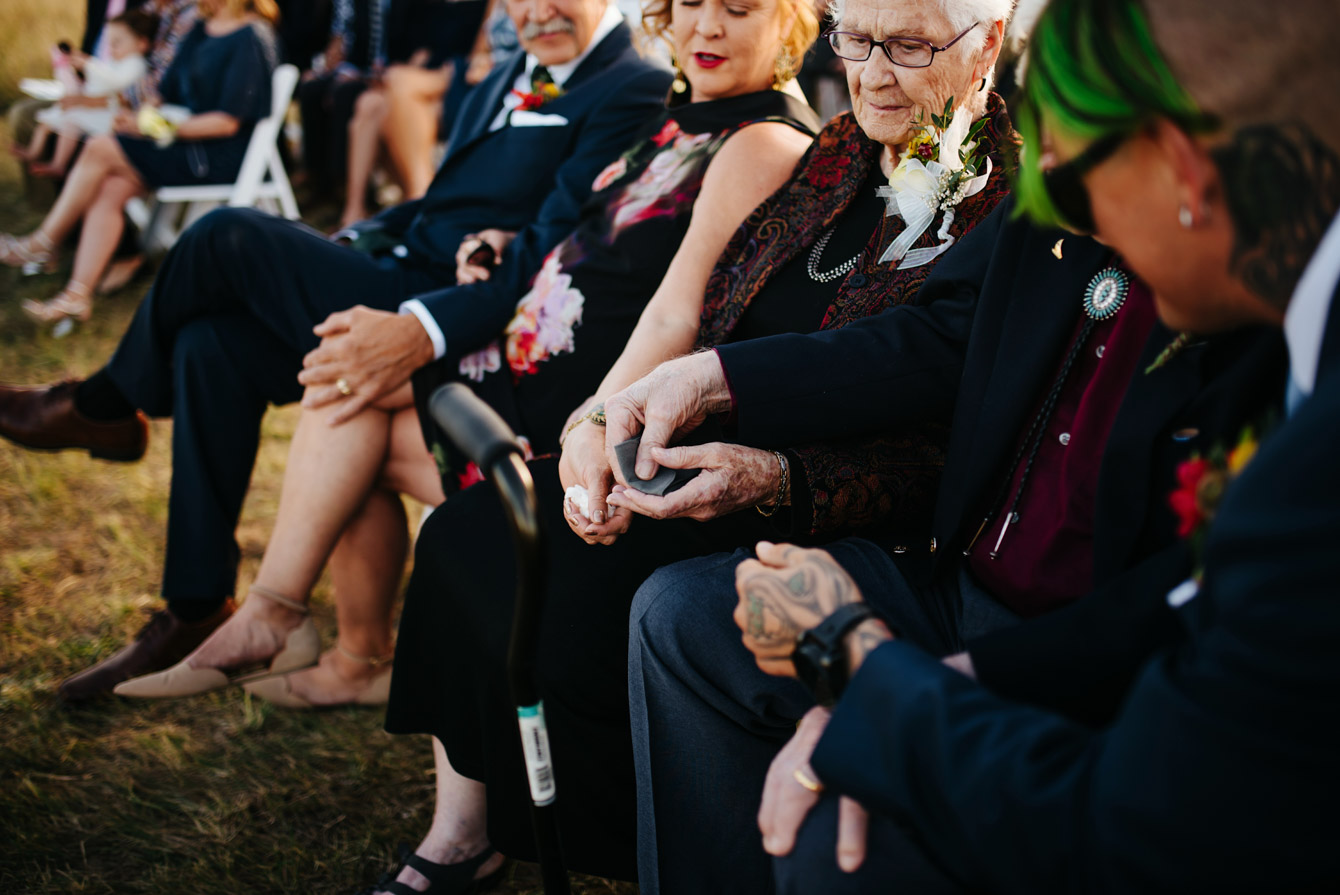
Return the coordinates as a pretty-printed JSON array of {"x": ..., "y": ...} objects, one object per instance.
[{"x": 657, "y": 18}]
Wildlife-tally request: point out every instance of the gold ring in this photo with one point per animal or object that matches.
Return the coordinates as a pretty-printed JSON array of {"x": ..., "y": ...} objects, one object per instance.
[
  {"x": 807, "y": 781},
  {"x": 343, "y": 385}
]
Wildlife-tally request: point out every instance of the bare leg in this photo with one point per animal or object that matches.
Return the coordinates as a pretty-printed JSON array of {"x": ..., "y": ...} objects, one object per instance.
[
  {"x": 415, "y": 104},
  {"x": 365, "y": 130},
  {"x": 102, "y": 159},
  {"x": 330, "y": 473},
  {"x": 103, "y": 225},
  {"x": 367, "y": 565},
  {"x": 65, "y": 147},
  {"x": 458, "y": 832},
  {"x": 35, "y": 145}
]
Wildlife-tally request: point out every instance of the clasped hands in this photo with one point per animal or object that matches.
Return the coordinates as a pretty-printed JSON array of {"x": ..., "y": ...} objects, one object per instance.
[
  {"x": 667, "y": 403},
  {"x": 364, "y": 355}
]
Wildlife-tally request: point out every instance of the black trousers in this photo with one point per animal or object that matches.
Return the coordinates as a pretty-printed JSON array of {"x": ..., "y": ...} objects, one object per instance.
[{"x": 220, "y": 336}]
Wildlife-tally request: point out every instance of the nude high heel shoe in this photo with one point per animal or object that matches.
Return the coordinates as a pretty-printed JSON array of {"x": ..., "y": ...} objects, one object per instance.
[{"x": 301, "y": 650}]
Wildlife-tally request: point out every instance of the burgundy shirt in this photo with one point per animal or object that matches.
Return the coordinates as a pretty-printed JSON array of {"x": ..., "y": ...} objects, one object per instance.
[{"x": 1046, "y": 558}]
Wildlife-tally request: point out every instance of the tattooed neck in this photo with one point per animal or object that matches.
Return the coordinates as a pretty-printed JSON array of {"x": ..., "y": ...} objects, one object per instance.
[{"x": 1283, "y": 189}]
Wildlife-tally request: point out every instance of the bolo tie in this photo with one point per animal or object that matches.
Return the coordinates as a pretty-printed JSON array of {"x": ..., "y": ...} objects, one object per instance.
[{"x": 1103, "y": 297}]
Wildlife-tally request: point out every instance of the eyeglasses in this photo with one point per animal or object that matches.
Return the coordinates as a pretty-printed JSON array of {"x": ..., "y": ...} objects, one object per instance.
[
  {"x": 908, "y": 52},
  {"x": 1065, "y": 183}
]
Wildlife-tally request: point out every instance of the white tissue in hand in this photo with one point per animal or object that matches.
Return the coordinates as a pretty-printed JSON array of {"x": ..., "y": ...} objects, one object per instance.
[{"x": 580, "y": 498}]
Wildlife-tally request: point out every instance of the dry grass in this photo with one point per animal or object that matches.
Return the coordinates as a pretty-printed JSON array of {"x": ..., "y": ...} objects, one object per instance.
[
  {"x": 217, "y": 794},
  {"x": 28, "y": 31}
]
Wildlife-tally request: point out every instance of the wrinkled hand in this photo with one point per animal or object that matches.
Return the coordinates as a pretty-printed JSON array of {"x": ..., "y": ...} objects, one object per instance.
[
  {"x": 785, "y": 592},
  {"x": 671, "y": 400},
  {"x": 786, "y": 803},
  {"x": 733, "y": 477},
  {"x": 498, "y": 240},
  {"x": 584, "y": 463},
  {"x": 374, "y": 352}
]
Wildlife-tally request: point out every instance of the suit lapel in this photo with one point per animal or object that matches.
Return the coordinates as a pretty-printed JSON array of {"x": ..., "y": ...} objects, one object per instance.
[
  {"x": 1039, "y": 320},
  {"x": 474, "y": 118}
]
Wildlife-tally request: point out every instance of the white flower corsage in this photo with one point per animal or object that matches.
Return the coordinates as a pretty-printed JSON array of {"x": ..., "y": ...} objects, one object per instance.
[{"x": 937, "y": 171}]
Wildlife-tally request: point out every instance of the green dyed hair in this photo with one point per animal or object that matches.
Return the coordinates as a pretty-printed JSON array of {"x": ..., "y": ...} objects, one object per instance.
[{"x": 1093, "y": 70}]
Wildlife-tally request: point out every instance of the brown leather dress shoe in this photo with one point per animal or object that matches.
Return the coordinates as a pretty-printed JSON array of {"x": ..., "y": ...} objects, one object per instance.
[
  {"x": 164, "y": 641},
  {"x": 45, "y": 419}
]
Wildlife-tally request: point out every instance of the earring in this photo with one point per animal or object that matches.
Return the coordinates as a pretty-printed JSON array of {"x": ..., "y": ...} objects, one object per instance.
[
  {"x": 784, "y": 69},
  {"x": 981, "y": 86},
  {"x": 1185, "y": 218},
  {"x": 680, "y": 84}
]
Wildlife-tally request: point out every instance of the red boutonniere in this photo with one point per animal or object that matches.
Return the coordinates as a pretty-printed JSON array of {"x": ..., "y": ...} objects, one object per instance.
[
  {"x": 1201, "y": 483},
  {"x": 544, "y": 93}
]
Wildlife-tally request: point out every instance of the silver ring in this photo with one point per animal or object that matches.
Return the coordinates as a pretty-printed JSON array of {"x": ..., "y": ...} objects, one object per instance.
[{"x": 342, "y": 385}]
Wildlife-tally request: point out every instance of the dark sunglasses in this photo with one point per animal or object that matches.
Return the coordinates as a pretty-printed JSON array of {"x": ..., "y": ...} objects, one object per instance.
[{"x": 1065, "y": 183}]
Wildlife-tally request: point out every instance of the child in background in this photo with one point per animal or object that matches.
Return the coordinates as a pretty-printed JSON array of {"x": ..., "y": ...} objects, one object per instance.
[{"x": 128, "y": 39}]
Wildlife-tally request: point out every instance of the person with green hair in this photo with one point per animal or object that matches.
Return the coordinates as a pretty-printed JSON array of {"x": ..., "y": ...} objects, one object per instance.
[{"x": 1200, "y": 142}]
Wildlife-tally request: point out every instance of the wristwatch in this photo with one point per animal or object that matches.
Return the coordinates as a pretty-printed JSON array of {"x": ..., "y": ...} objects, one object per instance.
[{"x": 821, "y": 657}]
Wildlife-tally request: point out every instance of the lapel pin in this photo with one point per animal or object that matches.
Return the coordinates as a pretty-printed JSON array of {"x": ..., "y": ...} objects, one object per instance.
[{"x": 1056, "y": 249}]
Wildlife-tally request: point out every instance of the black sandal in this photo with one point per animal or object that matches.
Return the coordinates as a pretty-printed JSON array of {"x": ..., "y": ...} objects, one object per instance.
[{"x": 443, "y": 879}]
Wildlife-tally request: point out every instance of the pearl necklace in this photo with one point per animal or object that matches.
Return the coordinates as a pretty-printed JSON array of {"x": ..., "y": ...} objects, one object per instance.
[{"x": 817, "y": 252}]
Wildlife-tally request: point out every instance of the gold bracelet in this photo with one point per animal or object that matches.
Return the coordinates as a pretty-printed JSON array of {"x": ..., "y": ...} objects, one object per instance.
[
  {"x": 596, "y": 415},
  {"x": 783, "y": 484}
]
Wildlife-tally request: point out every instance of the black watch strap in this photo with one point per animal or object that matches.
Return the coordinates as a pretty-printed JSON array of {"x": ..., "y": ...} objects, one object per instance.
[{"x": 820, "y": 658}]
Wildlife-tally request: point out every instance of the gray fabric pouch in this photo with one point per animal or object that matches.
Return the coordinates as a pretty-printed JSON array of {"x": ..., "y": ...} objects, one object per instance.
[{"x": 665, "y": 480}]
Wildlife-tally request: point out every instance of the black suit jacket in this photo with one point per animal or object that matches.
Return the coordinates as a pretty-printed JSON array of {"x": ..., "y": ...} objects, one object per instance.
[
  {"x": 533, "y": 180},
  {"x": 982, "y": 345},
  {"x": 1219, "y": 775}
]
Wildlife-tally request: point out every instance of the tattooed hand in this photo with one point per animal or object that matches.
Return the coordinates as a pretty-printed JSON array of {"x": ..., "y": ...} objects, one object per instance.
[{"x": 789, "y": 590}]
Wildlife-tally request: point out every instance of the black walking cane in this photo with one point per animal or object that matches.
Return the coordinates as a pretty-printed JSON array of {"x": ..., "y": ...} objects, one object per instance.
[{"x": 482, "y": 436}]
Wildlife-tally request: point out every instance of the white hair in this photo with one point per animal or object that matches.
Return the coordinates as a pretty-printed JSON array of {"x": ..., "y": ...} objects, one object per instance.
[{"x": 961, "y": 14}]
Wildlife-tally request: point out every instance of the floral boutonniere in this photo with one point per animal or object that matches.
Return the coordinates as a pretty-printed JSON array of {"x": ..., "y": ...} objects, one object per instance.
[
  {"x": 538, "y": 97},
  {"x": 1201, "y": 483},
  {"x": 939, "y": 169}
]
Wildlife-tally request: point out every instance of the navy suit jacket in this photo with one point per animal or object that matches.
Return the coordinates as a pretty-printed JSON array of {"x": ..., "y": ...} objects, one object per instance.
[
  {"x": 1222, "y": 771},
  {"x": 533, "y": 180},
  {"x": 980, "y": 345}
]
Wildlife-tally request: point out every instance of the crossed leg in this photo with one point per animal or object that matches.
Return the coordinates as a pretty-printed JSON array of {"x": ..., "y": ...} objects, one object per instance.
[{"x": 340, "y": 502}]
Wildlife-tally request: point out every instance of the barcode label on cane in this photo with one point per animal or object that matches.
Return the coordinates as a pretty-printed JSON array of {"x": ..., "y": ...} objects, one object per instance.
[{"x": 535, "y": 747}]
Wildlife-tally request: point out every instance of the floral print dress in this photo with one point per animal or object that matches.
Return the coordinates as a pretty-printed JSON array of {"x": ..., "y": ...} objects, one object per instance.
[{"x": 573, "y": 322}]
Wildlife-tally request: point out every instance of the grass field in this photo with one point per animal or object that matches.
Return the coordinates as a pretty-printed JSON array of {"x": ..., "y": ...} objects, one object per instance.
[{"x": 216, "y": 794}]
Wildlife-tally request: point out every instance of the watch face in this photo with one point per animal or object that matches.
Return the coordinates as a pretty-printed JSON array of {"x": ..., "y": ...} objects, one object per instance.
[{"x": 814, "y": 668}]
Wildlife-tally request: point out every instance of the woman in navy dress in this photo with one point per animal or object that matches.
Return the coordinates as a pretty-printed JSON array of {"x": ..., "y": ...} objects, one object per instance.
[{"x": 221, "y": 75}]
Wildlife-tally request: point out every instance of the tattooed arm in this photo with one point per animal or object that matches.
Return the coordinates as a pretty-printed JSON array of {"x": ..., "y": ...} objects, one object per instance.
[{"x": 787, "y": 591}]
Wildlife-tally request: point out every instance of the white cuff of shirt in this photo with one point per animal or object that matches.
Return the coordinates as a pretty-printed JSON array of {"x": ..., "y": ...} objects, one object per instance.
[{"x": 415, "y": 307}]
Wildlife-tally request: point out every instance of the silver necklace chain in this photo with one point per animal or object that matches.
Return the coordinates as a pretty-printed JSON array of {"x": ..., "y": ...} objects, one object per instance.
[{"x": 817, "y": 252}]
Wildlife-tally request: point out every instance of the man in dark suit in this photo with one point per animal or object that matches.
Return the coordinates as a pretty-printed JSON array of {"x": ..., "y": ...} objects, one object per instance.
[
  {"x": 1217, "y": 771},
  {"x": 224, "y": 330}
]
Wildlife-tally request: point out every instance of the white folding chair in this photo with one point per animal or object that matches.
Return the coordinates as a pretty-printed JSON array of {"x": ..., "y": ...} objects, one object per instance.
[{"x": 161, "y": 221}]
